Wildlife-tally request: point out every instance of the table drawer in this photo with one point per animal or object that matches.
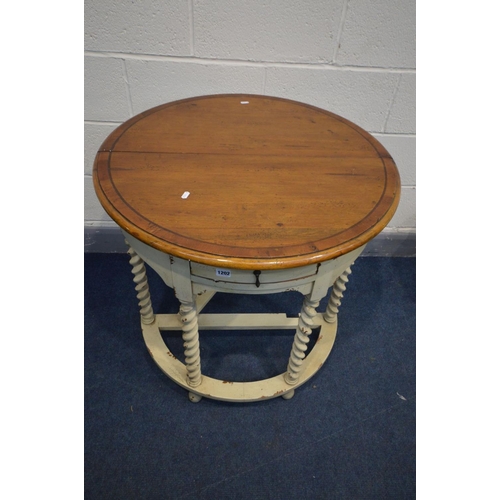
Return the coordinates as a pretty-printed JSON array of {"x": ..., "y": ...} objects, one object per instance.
[{"x": 248, "y": 277}]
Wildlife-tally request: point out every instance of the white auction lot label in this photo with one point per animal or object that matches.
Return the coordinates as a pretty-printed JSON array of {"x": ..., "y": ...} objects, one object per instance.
[{"x": 226, "y": 273}]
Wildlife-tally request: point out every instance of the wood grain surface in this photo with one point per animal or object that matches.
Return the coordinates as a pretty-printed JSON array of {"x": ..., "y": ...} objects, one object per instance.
[{"x": 272, "y": 183}]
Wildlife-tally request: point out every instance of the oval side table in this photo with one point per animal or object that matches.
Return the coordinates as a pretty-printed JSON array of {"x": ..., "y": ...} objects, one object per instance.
[{"x": 244, "y": 194}]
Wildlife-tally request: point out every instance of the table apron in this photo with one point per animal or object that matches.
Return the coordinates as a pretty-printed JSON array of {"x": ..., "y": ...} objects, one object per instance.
[{"x": 203, "y": 277}]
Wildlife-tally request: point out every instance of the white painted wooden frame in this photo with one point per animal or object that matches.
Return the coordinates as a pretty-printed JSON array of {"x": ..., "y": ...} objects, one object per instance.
[{"x": 195, "y": 284}]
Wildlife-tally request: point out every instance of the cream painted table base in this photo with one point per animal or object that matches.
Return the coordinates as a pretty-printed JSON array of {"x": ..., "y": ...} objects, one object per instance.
[{"x": 195, "y": 284}]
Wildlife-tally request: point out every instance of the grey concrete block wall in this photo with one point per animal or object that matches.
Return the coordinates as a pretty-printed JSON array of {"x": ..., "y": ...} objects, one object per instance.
[
  {"x": 278, "y": 31},
  {"x": 355, "y": 58}
]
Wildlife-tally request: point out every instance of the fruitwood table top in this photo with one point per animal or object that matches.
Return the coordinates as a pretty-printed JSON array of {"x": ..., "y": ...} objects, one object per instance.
[{"x": 246, "y": 181}]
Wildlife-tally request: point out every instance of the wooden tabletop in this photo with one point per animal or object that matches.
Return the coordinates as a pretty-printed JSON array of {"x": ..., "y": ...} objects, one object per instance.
[{"x": 246, "y": 181}]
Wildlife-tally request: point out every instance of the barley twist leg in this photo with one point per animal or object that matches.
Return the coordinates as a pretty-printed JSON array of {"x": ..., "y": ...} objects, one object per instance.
[
  {"x": 189, "y": 318},
  {"x": 141, "y": 287},
  {"x": 332, "y": 309},
  {"x": 300, "y": 341}
]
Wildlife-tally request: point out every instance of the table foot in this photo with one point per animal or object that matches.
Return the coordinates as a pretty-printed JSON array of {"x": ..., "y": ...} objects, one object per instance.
[
  {"x": 194, "y": 398},
  {"x": 289, "y": 394}
]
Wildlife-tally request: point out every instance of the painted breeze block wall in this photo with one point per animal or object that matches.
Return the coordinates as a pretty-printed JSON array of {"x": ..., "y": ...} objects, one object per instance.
[{"x": 355, "y": 58}]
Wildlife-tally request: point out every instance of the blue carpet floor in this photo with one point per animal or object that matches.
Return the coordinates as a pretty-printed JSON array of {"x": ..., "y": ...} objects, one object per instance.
[{"x": 348, "y": 433}]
